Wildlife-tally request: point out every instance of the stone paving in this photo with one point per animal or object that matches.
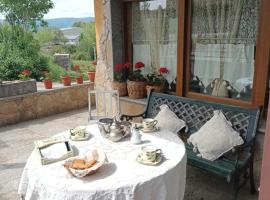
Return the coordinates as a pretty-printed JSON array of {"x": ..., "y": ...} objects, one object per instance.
[{"x": 16, "y": 144}]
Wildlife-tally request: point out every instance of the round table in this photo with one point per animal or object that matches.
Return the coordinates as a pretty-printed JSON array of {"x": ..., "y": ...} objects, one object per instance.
[{"x": 121, "y": 178}]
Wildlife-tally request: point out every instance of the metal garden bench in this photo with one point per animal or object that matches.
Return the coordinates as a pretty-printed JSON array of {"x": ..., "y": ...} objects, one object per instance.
[{"x": 236, "y": 166}]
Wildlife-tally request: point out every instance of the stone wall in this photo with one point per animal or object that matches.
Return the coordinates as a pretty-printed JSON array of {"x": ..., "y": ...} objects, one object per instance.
[
  {"x": 62, "y": 59},
  {"x": 14, "y": 88},
  {"x": 40, "y": 104}
]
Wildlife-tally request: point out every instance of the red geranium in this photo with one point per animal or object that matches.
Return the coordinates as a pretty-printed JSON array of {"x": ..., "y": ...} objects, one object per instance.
[
  {"x": 94, "y": 62},
  {"x": 163, "y": 70},
  {"x": 76, "y": 67},
  {"x": 127, "y": 64},
  {"x": 26, "y": 72},
  {"x": 139, "y": 65},
  {"x": 118, "y": 67}
]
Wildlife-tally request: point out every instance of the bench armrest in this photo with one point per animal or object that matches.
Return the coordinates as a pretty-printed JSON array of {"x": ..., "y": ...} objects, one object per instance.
[
  {"x": 245, "y": 145},
  {"x": 130, "y": 117}
]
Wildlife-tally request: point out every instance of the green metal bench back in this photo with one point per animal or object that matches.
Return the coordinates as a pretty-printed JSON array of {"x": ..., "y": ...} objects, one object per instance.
[{"x": 196, "y": 113}]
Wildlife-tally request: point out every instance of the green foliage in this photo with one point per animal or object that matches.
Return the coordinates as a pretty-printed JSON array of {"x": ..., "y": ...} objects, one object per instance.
[
  {"x": 57, "y": 49},
  {"x": 55, "y": 70},
  {"x": 156, "y": 79},
  {"x": 87, "y": 42},
  {"x": 19, "y": 51},
  {"x": 25, "y": 12},
  {"x": 85, "y": 66},
  {"x": 45, "y": 35}
]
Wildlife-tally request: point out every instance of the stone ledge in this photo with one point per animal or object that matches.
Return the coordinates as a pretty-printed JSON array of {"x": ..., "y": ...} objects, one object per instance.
[
  {"x": 43, "y": 103},
  {"x": 136, "y": 101}
]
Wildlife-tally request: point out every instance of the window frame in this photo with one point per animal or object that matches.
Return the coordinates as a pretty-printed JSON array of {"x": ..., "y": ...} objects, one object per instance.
[{"x": 261, "y": 69}]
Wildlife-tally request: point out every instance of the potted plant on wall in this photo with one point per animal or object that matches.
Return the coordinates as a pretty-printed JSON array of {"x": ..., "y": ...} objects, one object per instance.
[
  {"x": 66, "y": 79},
  {"x": 120, "y": 78},
  {"x": 25, "y": 75},
  {"x": 157, "y": 81},
  {"x": 92, "y": 72},
  {"x": 79, "y": 77},
  {"x": 136, "y": 82},
  {"x": 46, "y": 80}
]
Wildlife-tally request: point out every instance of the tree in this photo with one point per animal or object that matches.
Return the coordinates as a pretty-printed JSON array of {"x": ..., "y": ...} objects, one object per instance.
[
  {"x": 19, "y": 51},
  {"x": 25, "y": 12},
  {"x": 87, "y": 42},
  {"x": 45, "y": 36}
]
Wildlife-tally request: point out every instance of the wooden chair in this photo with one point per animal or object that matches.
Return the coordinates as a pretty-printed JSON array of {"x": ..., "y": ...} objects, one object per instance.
[{"x": 103, "y": 104}]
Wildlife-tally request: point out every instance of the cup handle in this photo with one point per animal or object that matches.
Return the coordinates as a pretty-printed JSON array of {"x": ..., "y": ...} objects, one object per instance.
[
  {"x": 72, "y": 133},
  {"x": 155, "y": 122},
  {"x": 159, "y": 151}
]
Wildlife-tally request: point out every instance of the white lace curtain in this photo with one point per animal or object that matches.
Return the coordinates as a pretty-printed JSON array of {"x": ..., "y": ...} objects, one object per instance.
[
  {"x": 223, "y": 40},
  {"x": 155, "y": 35}
]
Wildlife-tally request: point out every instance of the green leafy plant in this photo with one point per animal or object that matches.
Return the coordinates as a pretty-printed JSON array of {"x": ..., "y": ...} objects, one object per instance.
[
  {"x": 65, "y": 73},
  {"x": 25, "y": 75},
  {"x": 46, "y": 76},
  {"x": 92, "y": 66},
  {"x": 77, "y": 69},
  {"x": 156, "y": 79}
]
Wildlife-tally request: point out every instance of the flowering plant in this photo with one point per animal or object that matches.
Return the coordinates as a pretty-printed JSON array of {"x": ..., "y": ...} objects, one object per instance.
[
  {"x": 137, "y": 73},
  {"x": 65, "y": 73},
  {"x": 25, "y": 75},
  {"x": 121, "y": 72},
  {"x": 45, "y": 75},
  {"x": 77, "y": 70},
  {"x": 92, "y": 66},
  {"x": 157, "y": 79}
]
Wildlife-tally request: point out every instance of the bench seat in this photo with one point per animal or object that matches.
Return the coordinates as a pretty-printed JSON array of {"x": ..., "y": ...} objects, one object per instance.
[
  {"x": 223, "y": 166},
  {"x": 233, "y": 165}
]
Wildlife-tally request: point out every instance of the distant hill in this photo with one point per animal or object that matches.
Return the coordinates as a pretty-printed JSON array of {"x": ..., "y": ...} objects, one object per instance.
[
  {"x": 64, "y": 22},
  {"x": 67, "y": 22}
]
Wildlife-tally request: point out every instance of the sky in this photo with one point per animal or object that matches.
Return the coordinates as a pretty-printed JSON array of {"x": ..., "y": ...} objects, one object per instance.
[{"x": 70, "y": 8}]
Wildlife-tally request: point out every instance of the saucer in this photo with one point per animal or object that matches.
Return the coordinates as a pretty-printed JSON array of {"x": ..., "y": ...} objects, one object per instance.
[
  {"x": 146, "y": 162},
  {"x": 150, "y": 130},
  {"x": 73, "y": 138}
]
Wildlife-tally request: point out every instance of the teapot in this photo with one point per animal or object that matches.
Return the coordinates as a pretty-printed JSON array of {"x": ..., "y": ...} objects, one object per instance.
[{"x": 113, "y": 129}]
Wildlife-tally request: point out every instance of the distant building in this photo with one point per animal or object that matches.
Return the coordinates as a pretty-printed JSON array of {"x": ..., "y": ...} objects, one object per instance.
[{"x": 72, "y": 34}]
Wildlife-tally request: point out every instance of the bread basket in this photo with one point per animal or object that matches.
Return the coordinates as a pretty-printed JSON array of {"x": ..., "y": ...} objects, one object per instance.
[{"x": 96, "y": 154}]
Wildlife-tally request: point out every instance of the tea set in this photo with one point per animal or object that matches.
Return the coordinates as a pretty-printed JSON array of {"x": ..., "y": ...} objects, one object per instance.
[{"x": 114, "y": 130}]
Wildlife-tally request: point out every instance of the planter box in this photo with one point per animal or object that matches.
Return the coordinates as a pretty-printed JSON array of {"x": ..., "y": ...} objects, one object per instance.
[{"x": 14, "y": 88}]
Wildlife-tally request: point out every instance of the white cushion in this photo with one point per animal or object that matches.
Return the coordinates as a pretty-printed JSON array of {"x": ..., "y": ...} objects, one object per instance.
[
  {"x": 215, "y": 137},
  {"x": 168, "y": 120}
]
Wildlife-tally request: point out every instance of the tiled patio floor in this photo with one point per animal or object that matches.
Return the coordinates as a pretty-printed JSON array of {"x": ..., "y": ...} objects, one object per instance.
[{"x": 16, "y": 143}]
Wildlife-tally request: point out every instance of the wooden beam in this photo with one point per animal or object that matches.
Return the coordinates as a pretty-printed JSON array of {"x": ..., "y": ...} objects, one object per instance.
[
  {"x": 180, "y": 48},
  {"x": 261, "y": 72}
]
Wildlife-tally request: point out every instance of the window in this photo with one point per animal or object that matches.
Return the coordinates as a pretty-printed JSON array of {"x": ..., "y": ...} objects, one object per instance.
[
  {"x": 154, "y": 36},
  {"x": 223, "y": 44}
]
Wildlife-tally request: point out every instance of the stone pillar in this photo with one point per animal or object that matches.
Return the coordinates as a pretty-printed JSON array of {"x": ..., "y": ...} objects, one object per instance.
[{"x": 109, "y": 28}]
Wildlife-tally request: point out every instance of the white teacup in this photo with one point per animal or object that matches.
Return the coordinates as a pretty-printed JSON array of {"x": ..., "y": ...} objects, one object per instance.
[
  {"x": 149, "y": 124},
  {"x": 150, "y": 153},
  {"x": 78, "y": 132}
]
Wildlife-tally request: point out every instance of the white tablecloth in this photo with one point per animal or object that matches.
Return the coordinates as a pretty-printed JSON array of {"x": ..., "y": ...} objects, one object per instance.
[{"x": 122, "y": 178}]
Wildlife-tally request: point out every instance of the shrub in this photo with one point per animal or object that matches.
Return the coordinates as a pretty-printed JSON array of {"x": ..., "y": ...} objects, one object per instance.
[{"x": 19, "y": 51}]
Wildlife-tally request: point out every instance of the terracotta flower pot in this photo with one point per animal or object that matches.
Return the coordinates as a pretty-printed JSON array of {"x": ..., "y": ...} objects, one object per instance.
[
  {"x": 91, "y": 76},
  {"x": 47, "y": 84},
  {"x": 79, "y": 79},
  {"x": 156, "y": 88},
  {"x": 66, "y": 80},
  {"x": 136, "y": 89},
  {"x": 121, "y": 87}
]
